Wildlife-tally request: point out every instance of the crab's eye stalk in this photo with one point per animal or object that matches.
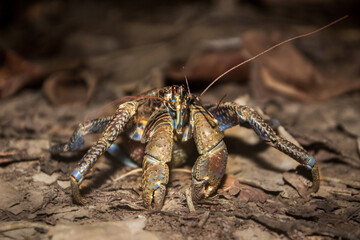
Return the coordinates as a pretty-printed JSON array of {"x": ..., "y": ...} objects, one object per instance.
[
  {"x": 174, "y": 93},
  {"x": 181, "y": 93}
]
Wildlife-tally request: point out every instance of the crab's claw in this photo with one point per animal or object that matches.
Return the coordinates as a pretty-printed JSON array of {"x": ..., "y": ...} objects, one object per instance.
[
  {"x": 158, "y": 151},
  {"x": 208, "y": 171},
  {"x": 155, "y": 178}
]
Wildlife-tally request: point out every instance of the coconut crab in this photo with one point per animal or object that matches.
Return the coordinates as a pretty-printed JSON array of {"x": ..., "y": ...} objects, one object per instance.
[{"x": 163, "y": 119}]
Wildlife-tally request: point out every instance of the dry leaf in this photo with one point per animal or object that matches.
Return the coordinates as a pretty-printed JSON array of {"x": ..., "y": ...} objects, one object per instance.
[
  {"x": 231, "y": 185},
  {"x": 210, "y": 61},
  {"x": 16, "y": 73},
  {"x": 285, "y": 70},
  {"x": 69, "y": 88}
]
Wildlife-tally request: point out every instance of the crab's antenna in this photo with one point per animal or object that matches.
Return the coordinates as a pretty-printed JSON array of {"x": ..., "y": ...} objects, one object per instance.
[
  {"x": 217, "y": 107},
  {"x": 200, "y": 103},
  {"x": 271, "y": 48},
  {"x": 187, "y": 82}
]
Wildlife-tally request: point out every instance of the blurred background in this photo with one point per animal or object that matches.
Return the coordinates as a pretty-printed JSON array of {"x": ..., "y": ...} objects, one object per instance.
[{"x": 80, "y": 51}]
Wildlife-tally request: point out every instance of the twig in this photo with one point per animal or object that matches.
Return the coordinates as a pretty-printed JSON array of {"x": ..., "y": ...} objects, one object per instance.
[
  {"x": 6, "y": 154},
  {"x": 134, "y": 171},
  {"x": 182, "y": 170},
  {"x": 137, "y": 170},
  {"x": 9, "y": 157},
  {"x": 204, "y": 219},
  {"x": 10, "y": 226},
  {"x": 189, "y": 200}
]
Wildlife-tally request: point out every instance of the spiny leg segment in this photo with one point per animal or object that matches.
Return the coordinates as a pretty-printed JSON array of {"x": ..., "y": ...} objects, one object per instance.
[
  {"x": 266, "y": 133},
  {"x": 77, "y": 139},
  {"x": 231, "y": 114},
  {"x": 112, "y": 130}
]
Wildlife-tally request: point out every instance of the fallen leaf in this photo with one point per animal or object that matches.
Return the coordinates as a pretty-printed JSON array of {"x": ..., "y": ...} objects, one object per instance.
[
  {"x": 35, "y": 199},
  {"x": 70, "y": 87},
  {"x": 16, "y": 73},
  {"x": 231, "y": 185},
  {"x": 9, "y": 196},
  {"x": 209, "y": 65},
  {"x": 210, "y": 60},
  {"x": 298, "y": 182},
  {"x": 251, "y": 194},
  {"x": 47, "y": 179},
  {"x": 285, "y": 70}
]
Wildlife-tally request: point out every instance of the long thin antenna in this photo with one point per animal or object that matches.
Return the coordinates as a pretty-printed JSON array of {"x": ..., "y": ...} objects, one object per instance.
[
  {"x": 217, "y": 107},
  {"x": 271, "y": 48},
  {"x": 187, "y": 82}
]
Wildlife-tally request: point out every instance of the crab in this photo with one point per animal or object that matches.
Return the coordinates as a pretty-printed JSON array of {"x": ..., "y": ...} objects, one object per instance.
[{"x": 164, "y": 120}]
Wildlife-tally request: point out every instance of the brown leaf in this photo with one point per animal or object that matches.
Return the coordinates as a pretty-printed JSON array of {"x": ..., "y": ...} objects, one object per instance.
[
  {"x": 207, "y": 64},
  {"x": 69, "y": 88},
  {"x": 285, "y": 70},
  {"x": 298, "y": 182},
  {"x": 251, "y": 194},
  {"x": 16, "y": 73},
  {"x": 231, "y": 185},
  {"x": 247, "y": 193}
]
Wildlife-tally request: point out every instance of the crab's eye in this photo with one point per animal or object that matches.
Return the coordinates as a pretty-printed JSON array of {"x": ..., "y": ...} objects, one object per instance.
[{"x": 173, "y": 91}]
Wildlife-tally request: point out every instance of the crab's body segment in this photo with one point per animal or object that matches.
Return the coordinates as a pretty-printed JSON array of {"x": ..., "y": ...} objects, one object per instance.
[{"x": 164, "y": 124}]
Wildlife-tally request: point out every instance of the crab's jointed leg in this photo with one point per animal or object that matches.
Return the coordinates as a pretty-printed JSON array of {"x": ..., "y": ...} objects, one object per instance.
[
  {"x": 210, "y": 166},
  {"x": 266, "y": 133},
  {"x": 122, "y": 115},
  {"x": 77, "y": 139},
  {"x": 158, "y": 152},
  {"x": 230, "y": 114}
]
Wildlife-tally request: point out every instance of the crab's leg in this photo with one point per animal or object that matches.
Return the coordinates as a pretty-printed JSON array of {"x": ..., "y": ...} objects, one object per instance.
[
  {"x": 77, "y": 139},
  {"x": 158, "y": 152},
  {"x": 122, "y": 115},
  {"x": 230, "y": 114},
  {"x": 209, "y": 167}
]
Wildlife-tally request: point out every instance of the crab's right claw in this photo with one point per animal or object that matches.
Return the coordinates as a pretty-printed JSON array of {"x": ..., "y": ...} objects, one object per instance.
[
  {"x": 155, "y": 178},
  {"x": 154, "y": 198}
]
